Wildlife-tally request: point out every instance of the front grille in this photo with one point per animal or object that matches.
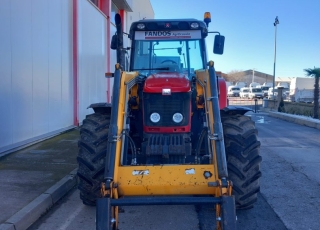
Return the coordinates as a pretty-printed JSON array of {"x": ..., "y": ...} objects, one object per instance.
[
  {"x": 165, "y": 145},
  {"x": 166, "y": 106}
]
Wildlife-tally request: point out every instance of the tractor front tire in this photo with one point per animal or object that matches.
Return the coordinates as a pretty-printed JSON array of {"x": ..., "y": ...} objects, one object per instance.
[
  {"x": 243, "y": 158},
  {"x": 91, "y": 157}
]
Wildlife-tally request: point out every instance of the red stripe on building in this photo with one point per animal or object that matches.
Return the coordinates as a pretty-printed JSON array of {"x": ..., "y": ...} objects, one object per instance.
[{"x": 121, "y": 12}]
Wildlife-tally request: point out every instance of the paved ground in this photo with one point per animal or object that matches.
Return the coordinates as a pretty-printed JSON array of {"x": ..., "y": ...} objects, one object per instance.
[{"x": 34, "y": 178}]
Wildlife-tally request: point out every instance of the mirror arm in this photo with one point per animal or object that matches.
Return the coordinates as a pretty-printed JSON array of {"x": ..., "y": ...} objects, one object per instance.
[{"x": 214, "y": 32}]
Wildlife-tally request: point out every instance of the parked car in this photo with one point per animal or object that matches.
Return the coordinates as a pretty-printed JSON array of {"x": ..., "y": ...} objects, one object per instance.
[
  {"x": 255, "y": 93},
  {"x": 244, "y": 92},
  {"x": 233, "y": 91}
]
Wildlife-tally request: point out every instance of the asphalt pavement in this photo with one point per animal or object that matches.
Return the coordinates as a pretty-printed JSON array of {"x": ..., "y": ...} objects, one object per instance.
[{"x": 34, "y": 178}]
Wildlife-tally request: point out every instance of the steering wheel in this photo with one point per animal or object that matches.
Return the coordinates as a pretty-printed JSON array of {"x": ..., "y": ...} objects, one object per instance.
[{"x": 168, "y": 60}]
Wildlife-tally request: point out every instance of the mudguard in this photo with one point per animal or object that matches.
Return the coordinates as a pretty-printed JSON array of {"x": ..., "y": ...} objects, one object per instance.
[
  {"x": 100, "y": 107},
  {"x": 233, "y": 110}
]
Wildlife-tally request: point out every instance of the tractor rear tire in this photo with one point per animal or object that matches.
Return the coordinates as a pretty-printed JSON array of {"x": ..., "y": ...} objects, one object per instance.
[
  {"x": 243, "y": 158},
  {"x": 91, "y": 157}
]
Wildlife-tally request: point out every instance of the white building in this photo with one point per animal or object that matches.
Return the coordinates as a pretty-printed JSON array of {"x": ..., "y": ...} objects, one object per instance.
[{"x": 54, "y": 55}]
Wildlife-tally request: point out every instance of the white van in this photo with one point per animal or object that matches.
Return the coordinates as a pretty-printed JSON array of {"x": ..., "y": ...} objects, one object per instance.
[
  {"x": 255, "y": 93},
  {"x": 302, "y": 89},
  {"x": 244, "y": 92},
  {"x": 241, "y": 84},
  {"x": 270, "y": 93},
  {"x": 264, "y": 90},
  {"x": 270, "y": 84},
  {"x": 283, "y": 84},
  {"x": 254, "y": 85},
  {"x": 233, "y": 91}
]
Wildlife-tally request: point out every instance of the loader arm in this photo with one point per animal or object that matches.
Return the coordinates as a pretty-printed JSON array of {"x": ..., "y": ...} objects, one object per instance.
[{"x": 208, "y": 81}]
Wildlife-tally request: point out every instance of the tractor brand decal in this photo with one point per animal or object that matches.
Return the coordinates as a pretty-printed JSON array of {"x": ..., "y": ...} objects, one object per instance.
[
  {"x": 140, "y": 172},
  {"x": 167, "y": 35},
  {"x": 151, "y": 34},
  {"x": 190, "y": 171}
]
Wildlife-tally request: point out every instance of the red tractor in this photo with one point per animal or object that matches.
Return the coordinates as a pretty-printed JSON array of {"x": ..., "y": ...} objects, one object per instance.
[{"x": 168, "y": 137}]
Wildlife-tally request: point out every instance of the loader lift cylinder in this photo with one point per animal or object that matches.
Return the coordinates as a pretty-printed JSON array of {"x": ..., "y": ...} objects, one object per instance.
[
  {"x": 112, "y": 135},
  {"x": 220, "y": 148},
  {"x": 103, "y": 215},
  {"x": 113, "y": 130},
  {"x": 120, "y": 50}
]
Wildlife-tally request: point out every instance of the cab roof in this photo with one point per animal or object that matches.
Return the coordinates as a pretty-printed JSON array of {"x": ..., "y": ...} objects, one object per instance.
[{"x": 168, "y": 25}]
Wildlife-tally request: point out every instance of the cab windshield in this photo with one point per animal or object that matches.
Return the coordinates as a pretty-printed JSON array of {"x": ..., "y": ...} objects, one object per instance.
[{"x": 182, "y": 56}]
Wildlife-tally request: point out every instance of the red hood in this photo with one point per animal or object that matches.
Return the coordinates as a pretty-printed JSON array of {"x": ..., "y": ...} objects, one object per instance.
[{"x": 167, "y": 80}]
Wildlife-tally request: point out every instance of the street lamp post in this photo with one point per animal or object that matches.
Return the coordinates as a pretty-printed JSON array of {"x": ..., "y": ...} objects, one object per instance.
[
  {"x": 253, "y": 74},
  {"x": 276, "y": 22}
]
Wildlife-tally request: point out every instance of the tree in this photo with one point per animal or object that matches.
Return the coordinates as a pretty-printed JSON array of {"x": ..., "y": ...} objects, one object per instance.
[
  {"x": 315, "y": 72},
  {"x": 235, "y": 76}
]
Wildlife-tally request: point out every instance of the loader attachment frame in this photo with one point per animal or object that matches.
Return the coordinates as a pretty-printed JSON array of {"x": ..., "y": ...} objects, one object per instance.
[{"x": 134, "y": 185}]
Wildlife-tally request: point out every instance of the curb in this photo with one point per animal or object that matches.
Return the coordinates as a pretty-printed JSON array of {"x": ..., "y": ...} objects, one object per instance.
[
  {"x": 23, "y": 219},
  {"x": 301, "y": 121}
]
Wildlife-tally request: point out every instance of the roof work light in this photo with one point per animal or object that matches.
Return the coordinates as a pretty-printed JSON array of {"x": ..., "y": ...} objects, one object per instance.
[{"x": 207, "y": 18}]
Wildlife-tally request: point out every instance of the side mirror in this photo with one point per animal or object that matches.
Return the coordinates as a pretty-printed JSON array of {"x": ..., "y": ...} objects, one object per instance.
[
  {"x": 218, "y": 44},
  {"x": 114, "y": 43}
]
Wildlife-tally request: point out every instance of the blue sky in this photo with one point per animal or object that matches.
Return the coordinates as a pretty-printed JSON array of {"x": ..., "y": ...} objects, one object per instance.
[{"x": 250, "y": 34}]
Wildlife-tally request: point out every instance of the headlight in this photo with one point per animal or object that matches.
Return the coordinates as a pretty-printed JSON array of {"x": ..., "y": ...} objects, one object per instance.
[
  {"x": 177, "y": 117},
  {"x": 155, "y": 117}
]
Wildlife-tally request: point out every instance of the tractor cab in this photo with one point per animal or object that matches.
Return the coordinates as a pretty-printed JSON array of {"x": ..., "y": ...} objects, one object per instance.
[{"x": 170, "y": 46}]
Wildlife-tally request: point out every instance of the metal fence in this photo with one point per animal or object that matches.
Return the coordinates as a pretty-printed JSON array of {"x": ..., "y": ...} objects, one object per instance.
[{"x": 254, "y": 104}]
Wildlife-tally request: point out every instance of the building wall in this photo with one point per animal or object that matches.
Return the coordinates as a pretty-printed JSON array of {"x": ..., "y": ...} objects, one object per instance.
[
  {"x": 92, "y": 27},
  {"x": 45, "y": 88},
  {"x": 142, "y": 9},
  {"x": 36, "y": 70}
]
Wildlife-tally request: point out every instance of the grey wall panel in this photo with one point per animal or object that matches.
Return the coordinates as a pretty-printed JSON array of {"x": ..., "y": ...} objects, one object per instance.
[
  {"x": 36, "y": 70},
  {"x": 21, "y": 48},
  {"x": 92, "y": 57},
  {"x": 66, "y": 108},
  {"x": 5, "y": 75},
  {"x": 55, "y": 76},
  {"x": 40, "y": 65}
]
